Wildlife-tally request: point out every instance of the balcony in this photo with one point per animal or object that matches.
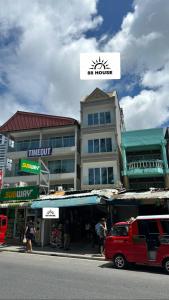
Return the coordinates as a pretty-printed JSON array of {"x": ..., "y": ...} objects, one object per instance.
[{"x": 145, "y": 168}]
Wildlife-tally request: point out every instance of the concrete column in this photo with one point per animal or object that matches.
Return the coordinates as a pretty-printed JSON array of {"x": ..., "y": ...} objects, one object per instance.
[
  {"x": 164, "y": 154},
  {"x": 166, "y": 180},
  {"x": 75, "y": 164},
  {"x": 124, "y": 161},
  {"x": 126, "y": 182}
]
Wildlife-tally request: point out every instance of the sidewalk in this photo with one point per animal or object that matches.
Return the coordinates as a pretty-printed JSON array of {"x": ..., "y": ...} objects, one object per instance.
[{"x": 75, "y": 252}]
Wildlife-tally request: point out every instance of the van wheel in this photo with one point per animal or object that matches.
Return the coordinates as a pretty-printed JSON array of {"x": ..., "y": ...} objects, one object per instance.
[
  {"x": 166, "y": 265},
  {"x": 119, "y": 261}
]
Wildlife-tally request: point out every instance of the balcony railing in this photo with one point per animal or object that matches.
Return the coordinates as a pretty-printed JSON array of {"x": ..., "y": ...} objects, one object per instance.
[
  {"x": 145, "y": 164},
  {"x": 53, "y": 143}
]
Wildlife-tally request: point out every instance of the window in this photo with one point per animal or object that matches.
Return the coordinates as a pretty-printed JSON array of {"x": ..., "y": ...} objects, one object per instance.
[
  {"x": 96, "y": 146},
  {"x": 99, "y": 118},
  {"x": 90, "y": 119},
  {"x": 96, "y": 119},
  {"x": 68, "y": 141},
  {"x": 102, "y": 145},
  {"x": 61, "y": 166},
  {"x": 90, "y": 146},
  {"x": 102, "y": 118},
  {"x": 165, "y": 226},
  {"x": 120, "y": 230},
  {"x": 108, "y": 145},
  {"x": 62, "y": 141},
  {"x": 107, "y": 117},
  {"x": 100, "y": 176}
]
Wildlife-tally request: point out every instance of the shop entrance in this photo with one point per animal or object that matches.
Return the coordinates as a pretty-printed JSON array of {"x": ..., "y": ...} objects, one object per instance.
[{"x": 82, "y": 220}]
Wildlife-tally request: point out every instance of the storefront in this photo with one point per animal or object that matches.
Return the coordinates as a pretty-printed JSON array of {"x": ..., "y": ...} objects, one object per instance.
[
  {"x": 15, "y": 203},
  {"x": 82, "y": 211}
]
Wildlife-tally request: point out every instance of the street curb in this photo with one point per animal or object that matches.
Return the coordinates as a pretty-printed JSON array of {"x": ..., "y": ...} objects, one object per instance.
[{"x": 56, "y": 254}]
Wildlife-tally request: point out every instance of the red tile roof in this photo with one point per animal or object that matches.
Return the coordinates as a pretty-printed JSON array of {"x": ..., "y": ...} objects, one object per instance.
[{"x": 26, "y": 120}]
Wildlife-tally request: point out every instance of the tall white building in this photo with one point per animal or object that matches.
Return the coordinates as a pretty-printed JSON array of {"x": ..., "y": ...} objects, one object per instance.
[
  {"x": 3, "y": 148},
  {"x": 101, "y": 126}
]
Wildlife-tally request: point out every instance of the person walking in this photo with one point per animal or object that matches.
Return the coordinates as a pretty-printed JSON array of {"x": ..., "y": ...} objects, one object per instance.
[
  {"x": 30, "y": 235},
  {"x": 67, "y": 231},
  {"x": 102, "y": 232}
]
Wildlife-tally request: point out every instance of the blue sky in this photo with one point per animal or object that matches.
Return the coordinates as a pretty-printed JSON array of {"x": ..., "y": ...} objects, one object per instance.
[
  {"x": 40, "y": 49},
  {"x": 113, "y": 12}
]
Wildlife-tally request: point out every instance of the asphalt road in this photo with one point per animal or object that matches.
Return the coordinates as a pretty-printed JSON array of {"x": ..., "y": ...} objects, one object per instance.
[{"x": 28, "y": 276}]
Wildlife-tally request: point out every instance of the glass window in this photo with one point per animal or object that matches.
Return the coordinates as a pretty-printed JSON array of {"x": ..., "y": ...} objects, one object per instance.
[
  {"x": 165, "y": 226},
  {"x": 96, "y": 146},
  {"x": 56, "y": 142},
  {"x": 108, "y": 144},
  {"x": 102, "y": 118},
  {"x": 97, "y": 176},
  {"x": 68, "y": 166},
  {"x": 34, "y": 144},
  {"x": 91, "y": 176},
  {"x": 90, "y": 146},
  {"x": 104, "y": 175},
  {"x": 96, "y": 119},
  {"x": 68, "y": 141},
  {"x": 55, "y": 166},
  {"x": 90, "y": 119},
  {"x": 102, "y": 145},
  {"x": 108, "y": 117},
  {"x": 120, "y": 230},
  {"x": 110, "y": 175}
]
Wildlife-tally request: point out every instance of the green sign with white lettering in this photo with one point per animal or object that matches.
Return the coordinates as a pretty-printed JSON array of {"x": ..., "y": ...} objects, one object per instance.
[
  {"x": 19, "y": 193},
  {"x": 30, "y": 166}
]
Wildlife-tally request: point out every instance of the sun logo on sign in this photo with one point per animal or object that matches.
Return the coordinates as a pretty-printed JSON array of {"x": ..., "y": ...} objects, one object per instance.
[{"x": 99, "y": 64}]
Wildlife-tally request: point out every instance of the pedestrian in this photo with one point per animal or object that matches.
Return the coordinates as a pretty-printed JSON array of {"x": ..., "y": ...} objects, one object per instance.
[
  {"x": 102, "y": 232},
  {"x": 67, "y": 231},
  {"x": 30, "y": 235}
]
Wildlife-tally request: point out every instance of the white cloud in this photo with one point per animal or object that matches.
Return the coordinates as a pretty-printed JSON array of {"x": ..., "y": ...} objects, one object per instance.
[
  {"x": 41, "y": 69},
  {"x": 144, "y": 46}
]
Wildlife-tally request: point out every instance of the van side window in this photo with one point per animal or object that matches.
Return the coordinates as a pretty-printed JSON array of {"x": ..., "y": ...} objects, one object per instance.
[
  {"x": 119, "y": 231},
  {"x": 147, "y": 227},
  {"x": 3, "y": 222},
  {"x": 165, "y": 226}
]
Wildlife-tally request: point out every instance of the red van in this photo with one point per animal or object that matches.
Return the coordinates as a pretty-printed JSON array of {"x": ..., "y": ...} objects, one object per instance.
[
  {"x": 3, "y": 228},
  {"x": 144, "y": 240}
]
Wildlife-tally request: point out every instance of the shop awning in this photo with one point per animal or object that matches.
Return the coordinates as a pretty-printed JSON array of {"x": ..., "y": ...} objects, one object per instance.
[{"x": 67, "y": 202}]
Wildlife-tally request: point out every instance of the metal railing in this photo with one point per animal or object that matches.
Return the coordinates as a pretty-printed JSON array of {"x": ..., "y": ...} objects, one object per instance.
[{"x": 145, "y": 164}]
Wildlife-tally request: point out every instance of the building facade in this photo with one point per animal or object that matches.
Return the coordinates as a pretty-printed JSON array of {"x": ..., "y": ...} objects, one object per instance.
[
  {"x": 145, "y": 162},
  {"x": 54, "y": 140},
  {"x": 101, "y": 126}
]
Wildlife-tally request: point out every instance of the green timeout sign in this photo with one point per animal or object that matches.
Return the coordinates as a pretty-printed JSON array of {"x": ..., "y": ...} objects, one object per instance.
[
  {"x": 30, "y": 166},
  {"x": 19, "y": 193}
]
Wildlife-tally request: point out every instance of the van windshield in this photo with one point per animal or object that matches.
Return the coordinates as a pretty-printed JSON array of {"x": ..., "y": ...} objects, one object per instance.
[{"x": 120, "y": 230}]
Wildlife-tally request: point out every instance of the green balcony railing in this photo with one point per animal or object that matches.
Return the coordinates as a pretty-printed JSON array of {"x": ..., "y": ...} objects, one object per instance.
[{"x": 145, "y": 168}]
